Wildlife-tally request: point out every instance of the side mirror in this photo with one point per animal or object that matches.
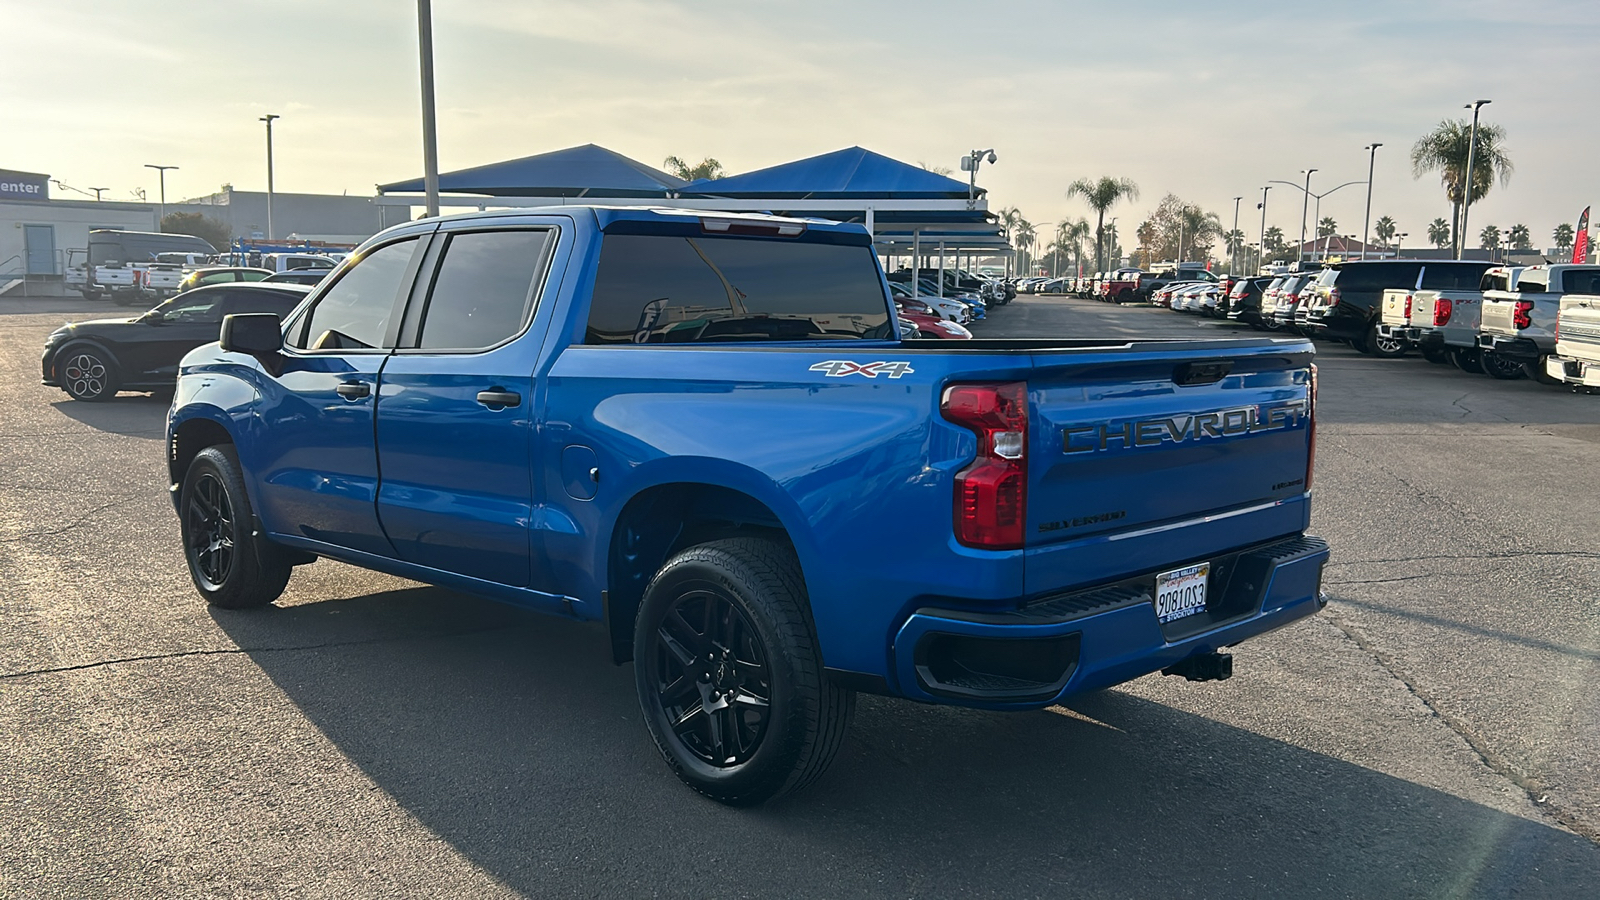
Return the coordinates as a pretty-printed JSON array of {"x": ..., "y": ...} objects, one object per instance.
[{"x": 258, "y": 334}]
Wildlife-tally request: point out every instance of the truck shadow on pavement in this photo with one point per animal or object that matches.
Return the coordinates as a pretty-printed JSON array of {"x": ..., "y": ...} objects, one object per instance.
[
  {"x": 513, "y": 738},
  {"x": 134, "y": 415}
]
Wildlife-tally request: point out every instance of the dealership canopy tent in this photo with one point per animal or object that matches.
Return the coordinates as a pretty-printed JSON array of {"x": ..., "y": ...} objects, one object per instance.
[{"x": 588, "y": 171}]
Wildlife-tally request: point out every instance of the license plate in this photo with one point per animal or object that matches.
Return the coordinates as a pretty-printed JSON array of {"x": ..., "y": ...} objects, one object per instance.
[{"x": 1181, "y": 592}]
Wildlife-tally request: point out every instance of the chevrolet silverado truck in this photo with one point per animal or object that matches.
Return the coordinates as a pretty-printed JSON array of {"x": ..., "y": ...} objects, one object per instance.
[
  {"x": 703, "y": 433},
  {"x": 1519, "y": 325},
  {"x": 1577, "y": 357},
  {"x": 1406, "y": 310},
  {"x": 1346, "y": 301},
  {"x": 1443, "y": 323}
]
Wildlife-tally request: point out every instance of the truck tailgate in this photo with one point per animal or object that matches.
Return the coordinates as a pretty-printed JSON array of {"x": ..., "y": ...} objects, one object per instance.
[
  {"x": 1580, "y": 328},
  {"x": 1396, "y": 309},
  {"x": 1497, "y": 317},
  {"x": 1122, "y": 450}
]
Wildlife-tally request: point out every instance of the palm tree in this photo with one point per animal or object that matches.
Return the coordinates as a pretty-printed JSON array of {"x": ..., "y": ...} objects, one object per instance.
[
  {"x": 1439, "y": 233},
  {"x": 946, "y": 171},
  {"x": 1385, "y": 230},
  {"x": 1073, "y": 232},
  {"x": 1564, "y": 236},
  {"x": 1025, "y": 238},
  {"x": 1489, "y": 237},
  {"x": 1146, "y": 233},
  {"x": 1010, "y": 216},
  {"x": 1327, "y": 226},
  {"x": 1101, "y": 195},
  {"x": 707, "y": 168},
  {"x": 1234, "y": 241},
  {"x": 1274, "y": 238},
  {"x": 1521, "y": 238},
  {"x": 1198, "y": 229},
  {"x": 1445, "y": 150}
]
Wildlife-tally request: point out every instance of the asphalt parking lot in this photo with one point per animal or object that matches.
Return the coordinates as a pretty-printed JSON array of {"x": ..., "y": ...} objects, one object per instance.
[{"x": 1432, "y": 733}]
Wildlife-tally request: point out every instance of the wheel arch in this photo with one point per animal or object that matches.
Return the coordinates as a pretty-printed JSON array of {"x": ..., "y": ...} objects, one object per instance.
[
  {"x": 188, "y": 438},
  {"x": 90, "y": 341},
  {"x": 665, "y": 518}
]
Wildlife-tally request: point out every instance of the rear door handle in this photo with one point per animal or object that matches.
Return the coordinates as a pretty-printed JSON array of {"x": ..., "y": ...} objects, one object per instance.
[
  {"x": 353, "y": 390},
  {"x": 499, "y": 398}
]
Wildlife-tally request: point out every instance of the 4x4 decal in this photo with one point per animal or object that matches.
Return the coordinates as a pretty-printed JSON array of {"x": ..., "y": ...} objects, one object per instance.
[{"x": 839, "y": 368}]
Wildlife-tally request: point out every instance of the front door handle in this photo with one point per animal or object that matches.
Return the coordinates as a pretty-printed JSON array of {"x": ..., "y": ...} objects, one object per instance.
[
  {"x": 499, "y": 398},
  {"x": 353, "y": 390}
]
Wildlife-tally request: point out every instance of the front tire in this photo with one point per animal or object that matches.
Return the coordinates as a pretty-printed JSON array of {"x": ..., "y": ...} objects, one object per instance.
[
  {"x": 87, "y": 373},
  {"x": 729, "y": 674},
  {"x": 1384, "y": 347},
  {"x": 232, "y": 565}
]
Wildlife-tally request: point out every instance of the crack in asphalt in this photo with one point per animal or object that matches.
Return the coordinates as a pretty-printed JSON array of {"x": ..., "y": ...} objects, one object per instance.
[
  {"x": 82, "y": 521},
  {"x": 1384, "y": 580},
  {"x": 234, "y": 651},
  {"x": 1530, "y": 785},
  {"x": 1514, "y": 554}
]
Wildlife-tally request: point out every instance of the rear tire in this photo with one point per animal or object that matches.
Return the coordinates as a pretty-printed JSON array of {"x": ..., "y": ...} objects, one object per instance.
[
  {"x": 1439, "y": 356},
  {"x": 1501, "y": 367},
  {"x": 1384, "y": 347},
  {"x": 233, "y": 566},
  {"x": 1537, "y": 372},
  {"x": 729, "y": 674},
  {"x": 1467, "y": 359}
]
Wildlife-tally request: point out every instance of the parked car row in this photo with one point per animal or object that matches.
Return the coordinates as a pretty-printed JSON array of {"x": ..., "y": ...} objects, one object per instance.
[
  {"x": 1503, "y": 321},
  {"x": 134, "y": 267},
  {"x": 929, "y": 310}
]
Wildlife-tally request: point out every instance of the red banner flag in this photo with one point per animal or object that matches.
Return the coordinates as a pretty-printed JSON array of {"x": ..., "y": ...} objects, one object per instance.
[{"x": 1580, "y": 245}]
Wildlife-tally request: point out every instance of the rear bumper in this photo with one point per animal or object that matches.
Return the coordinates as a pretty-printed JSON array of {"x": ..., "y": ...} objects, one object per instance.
[
  {"x": 1510, "y": 347},
  {"x": 1102, "y": 636},
  {"x": 1573, "y": 371},
  {"x": 1400, "y": 332},
  {"x": 1344, "y": 322}
]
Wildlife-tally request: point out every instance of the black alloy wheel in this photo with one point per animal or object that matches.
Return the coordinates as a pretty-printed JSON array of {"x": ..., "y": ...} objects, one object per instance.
[
  {"x": 232, "y": 565},
  {"x": 729, "y": 675},
  {"x": 1501, "y": 367},
  {"x": 86, "y": 373},
  {"x": 1536, "y": 370},
  {"x": 209, "y": 531}
]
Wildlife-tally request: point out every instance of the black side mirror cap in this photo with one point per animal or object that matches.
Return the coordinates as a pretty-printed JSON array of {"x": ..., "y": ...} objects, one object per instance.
[{"x": 258, "y": 334}]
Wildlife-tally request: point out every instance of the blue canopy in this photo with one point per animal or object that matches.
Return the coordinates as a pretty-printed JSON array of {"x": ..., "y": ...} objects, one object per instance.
[
  {"x": 852, "y": 172},
  {"x": 586, "y": 171}
]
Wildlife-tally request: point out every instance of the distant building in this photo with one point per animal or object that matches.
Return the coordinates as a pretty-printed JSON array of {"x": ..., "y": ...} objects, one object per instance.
[
  {"x": 36, "y": 231},
  {"x": 321, "y": 217}
]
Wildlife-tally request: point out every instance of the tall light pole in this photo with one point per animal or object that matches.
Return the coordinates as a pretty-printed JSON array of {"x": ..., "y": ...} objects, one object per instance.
[
  {"x": 1233, "y": 240},
  {"x": 163, "y": 213},
  {"x": 1300, "y": 251},
  {"x": 1261, "y": 255},
  {"x": 1366, "y": 222},
  {"x": 1111, "y": 232},
  {"x": 1466, "y": 182},
  {"x": 268, "y": 119},
  {"x": 430, "y": 133},
  {"x": 98, "y": 192}
]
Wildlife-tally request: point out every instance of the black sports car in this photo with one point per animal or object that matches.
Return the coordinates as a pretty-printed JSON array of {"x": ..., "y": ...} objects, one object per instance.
[{"x": 93, "y": 360}]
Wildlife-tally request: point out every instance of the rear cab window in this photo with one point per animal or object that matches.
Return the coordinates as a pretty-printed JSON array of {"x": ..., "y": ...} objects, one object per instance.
[
  {"x": 661, "y": 289},
  {"x": 1451, "y": 277},
  {"x": 1580, "y": 281}
]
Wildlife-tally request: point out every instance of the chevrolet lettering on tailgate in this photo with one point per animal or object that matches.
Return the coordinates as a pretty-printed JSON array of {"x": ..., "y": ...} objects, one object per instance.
[{"x": 1178, "y": 429}]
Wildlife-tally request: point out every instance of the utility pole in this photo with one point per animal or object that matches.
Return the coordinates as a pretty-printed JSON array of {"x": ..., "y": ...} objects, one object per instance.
[
  {"x": 1233, "y": 240},
  {"x": 268, "y": 119},
  {"x": 1300, "y": 251},
  {"x": 430, "y": 134},
  {"x": 1261, "y": 253},
  {"x": 1366, "y": 222},
  {"x": 97, "y": 192},
  {"x": 1466, "y": 181},
  {"x": 163, "y": 213}
]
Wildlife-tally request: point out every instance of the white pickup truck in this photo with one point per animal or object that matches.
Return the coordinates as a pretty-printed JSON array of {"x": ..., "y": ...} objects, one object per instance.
[
  {"x": 127, "y": 266},
  {"x": 1441, "y": 320},
  {"x": 1577, "y": 357},
  {"x": 1520, "y": 324}
]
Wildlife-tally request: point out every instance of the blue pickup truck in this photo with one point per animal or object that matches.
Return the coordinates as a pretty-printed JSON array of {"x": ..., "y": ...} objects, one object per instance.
[{"x": 703, "y": 431}]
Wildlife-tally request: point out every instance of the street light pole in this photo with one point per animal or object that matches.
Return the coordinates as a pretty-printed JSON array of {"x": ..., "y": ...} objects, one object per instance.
[
  {"x": 1466, "y": 181},
  {"x": 969, "y": 164},
  {"x": 268, "y": 119},
  {"x": 1366, "y": 222},
  {"x": 1300, "y": 251},
  {"x": 430, "y": 134},
  {"x": 1233, "y": 240},
  {"x": 1261, "y": 253},
  {"x": 163, "y": 170}
]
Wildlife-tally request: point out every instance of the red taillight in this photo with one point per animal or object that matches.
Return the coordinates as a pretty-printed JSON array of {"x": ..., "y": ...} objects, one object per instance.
[
  {"x": 1441, "y": 312},
  {"x": 1408, "y": 307},
  {"x": 1520, "y": 318},
  {"x": 1311, "y": 442},
  {"x": 991, "y": 497},
  {"x": 1333, "y": 296}
]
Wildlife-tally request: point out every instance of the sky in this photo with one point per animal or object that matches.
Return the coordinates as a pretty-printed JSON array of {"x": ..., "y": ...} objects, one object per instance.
[{"x": 1208, "y": 101}]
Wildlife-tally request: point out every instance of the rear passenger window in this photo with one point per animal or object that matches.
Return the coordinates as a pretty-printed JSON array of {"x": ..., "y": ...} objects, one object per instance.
[
  {"x": 1581, "y": 282},
  {"x": 484, "y": 289},
  {"x": 355, "y": 312},
  {"x": 671, "y": 290},
  {"x": 1437, "y": 277}
]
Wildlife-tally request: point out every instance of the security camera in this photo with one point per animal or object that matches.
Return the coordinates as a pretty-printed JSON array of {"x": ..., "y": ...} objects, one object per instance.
[{"x": 992, "y": 157}]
